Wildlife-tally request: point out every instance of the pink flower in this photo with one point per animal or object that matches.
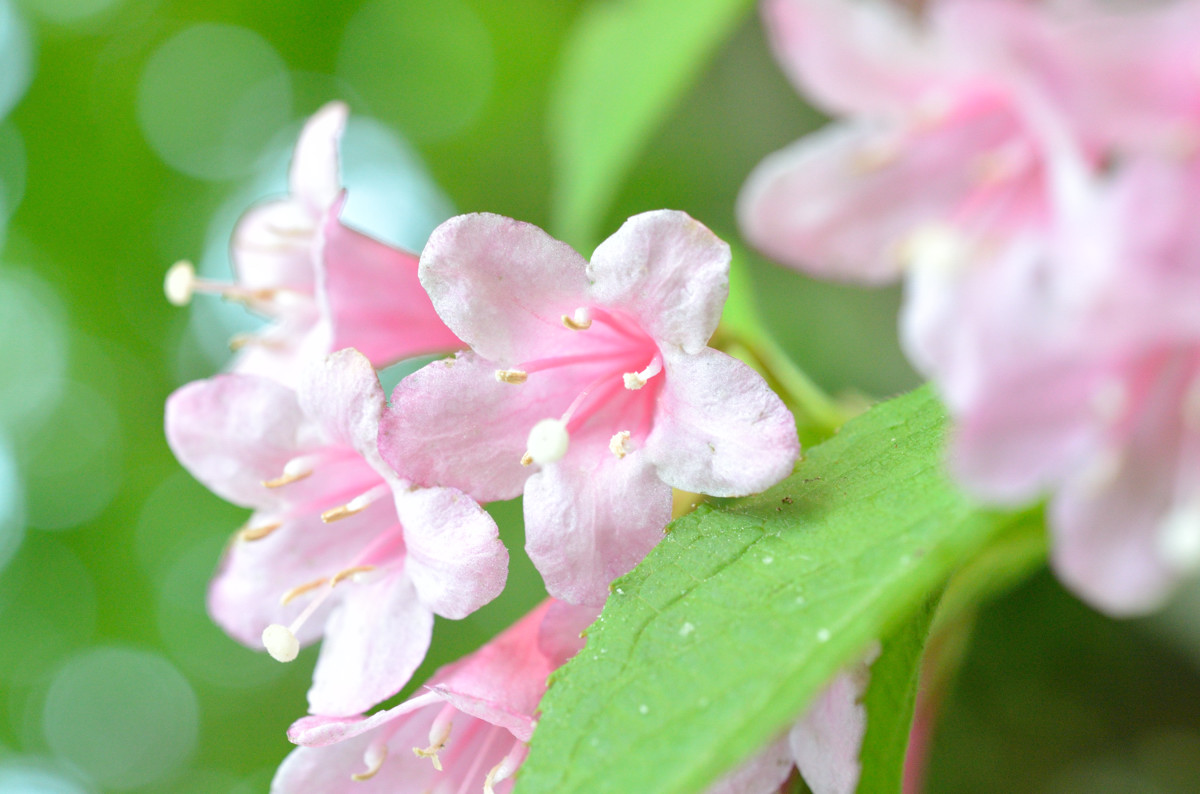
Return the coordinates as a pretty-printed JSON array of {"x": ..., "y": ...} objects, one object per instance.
[
  {"x": 588, "y": 386},
  {"x": 966, "y": 143},
  {"x": 1107, "y": 415},
  {"x": 372, "y": 581},
  {"x": 467, "y": 731},
  {"x": 322, "y": 285}
]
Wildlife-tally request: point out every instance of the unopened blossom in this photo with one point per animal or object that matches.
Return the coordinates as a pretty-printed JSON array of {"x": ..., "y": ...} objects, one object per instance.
[
  {"x": 588, "y": 386},
  {"x": 338, "y": 544},
  {"x": 467, "y": 730},
  {"x": 322, "y": 285}
]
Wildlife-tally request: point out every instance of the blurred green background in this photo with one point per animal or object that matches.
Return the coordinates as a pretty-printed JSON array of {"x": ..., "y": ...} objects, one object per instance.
[{"x": 133, "y": 133}]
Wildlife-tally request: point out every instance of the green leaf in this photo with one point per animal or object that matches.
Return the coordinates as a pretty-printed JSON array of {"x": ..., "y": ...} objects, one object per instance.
[
  {"x": 722, "y": 636},
  {"x": 624, "y": 66},
  {"x": 890, "y": 701}
]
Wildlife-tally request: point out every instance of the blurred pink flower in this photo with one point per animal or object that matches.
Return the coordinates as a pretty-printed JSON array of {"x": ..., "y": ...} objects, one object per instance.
[
  {"x": 1108, "y": 415},
  {"x": 588, "y": 386},
  {"x": 322, "y": 285},
  {"x": 370, "y": 583}
]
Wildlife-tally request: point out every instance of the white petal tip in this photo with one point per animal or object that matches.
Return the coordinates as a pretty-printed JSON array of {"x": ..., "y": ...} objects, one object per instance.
[
  {"x": 180, "y": 283},
  {"x": 280, "y": 642},
  {"x": 548, "y": 441}
]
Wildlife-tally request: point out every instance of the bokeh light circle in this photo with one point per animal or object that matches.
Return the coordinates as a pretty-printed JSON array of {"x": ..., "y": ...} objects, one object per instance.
[
  {"x": 426, "y": 65},
  {"x": 16, "y": 57},
  {"x": 73, "y": 468},
  {"x": 32, "y": 776},
  {"x": 12, "y": 504},
  {"x": 126, "y": 717},
  {"x": 47, "y": 609},
  {"x": 68, "y": 12},
  {"x": 211, "y": 100},
  {"x": 33, "y": 337}
]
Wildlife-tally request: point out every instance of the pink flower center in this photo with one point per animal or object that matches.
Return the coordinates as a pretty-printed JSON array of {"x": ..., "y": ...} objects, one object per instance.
[{"x": 606, "y": 375}]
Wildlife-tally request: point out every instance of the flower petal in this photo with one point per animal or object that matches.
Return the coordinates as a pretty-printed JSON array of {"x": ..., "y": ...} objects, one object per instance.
[
  {"x": 1111, "y": 533},
  {"x": 764, "y": 773},
  {"x": 590, "y": 518},
  {"x": 502, "y": 285},
  {"x": 273, "y": 247},
  {"x": 669, "y": 272},
  {"x": 719, "y": 429},
  {"x": 314, "y": 177},
  {"x": 373, "y": 297},
  {"x": 840, "y": 203},
  {"x": 852, "y": 57},
  {"x": 827, "y": 741},
  {"x": 232, "y": 432},
  {"x": 454, "y": 554},
  {"x": 1027, "y": 427},
  {"x": 451, "y": 423},
  {"x": 244, "y": 597},
  {"x": 374, "y": 640},
  {"x": 342, "y": 394}
]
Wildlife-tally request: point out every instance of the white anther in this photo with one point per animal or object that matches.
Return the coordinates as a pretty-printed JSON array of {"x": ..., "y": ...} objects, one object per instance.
[
  {"x": 439, "y": 734},
  {"x": 935, "y": 248},
  {"x": 548, "y": 441},
  {"x": 511, "y": 376},
  {"x": 374, "y": 757},
  {"x": 636, "y": 380},
  {"x": 581, "y": 320},
  {"x": 180, "y": 283},
  {"x": 507, "y": 766},
  {"x": 619, "y": 444},
  {"x": 354, "y": 506},
  {"x": 280, "y": 642},
  {"x": 259, "y": 532},
  {"x": 295, "y": 469},
  {"x": 1179, "y": 538}
]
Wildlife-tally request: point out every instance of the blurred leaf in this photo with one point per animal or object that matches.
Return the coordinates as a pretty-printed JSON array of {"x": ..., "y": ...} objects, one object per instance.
[
  {"x": 721, "y": 637},
  {"x": 624, "y": 67}
]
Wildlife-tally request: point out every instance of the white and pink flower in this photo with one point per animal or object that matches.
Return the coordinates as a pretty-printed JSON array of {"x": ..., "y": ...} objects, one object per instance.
[
  {"x": 322, "y": 285},
  {"x": 589, "y": 387},
  {"x": 338, "y": 544}
]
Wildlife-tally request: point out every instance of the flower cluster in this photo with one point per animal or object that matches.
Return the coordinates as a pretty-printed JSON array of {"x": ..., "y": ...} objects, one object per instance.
[
  {"x": 587, "y": 386},
  {"x": 1032, "y": 170}
]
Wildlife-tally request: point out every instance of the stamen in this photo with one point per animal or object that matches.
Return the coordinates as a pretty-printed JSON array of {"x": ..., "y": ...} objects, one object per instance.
[
  {"x": 505, "y": 769},
  {"x": 294, "y": 470},
  {"x": 374, "y": 757},
  {"x": 439, "y": 734},
  {"x": 307, "y": 587},
  {"x": 355, "y": 505},
  {"x": 619, "y": 444},
  {"x": 348, "y": 573},
  {"x": 548, "y": 441},
  {"x": 527, "y": 459},
  {"x": 180, "y": 283},
  {"x": 934, "y": 247},
  {"x": 238, "y": 341},
  {"x": 636, "y": 380},
  {"x": 259, "y": 532},
  {"x": 581, "y": 321},
  {"x": 511, "y": 376},
  {"x": 280, "y": 642}
]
